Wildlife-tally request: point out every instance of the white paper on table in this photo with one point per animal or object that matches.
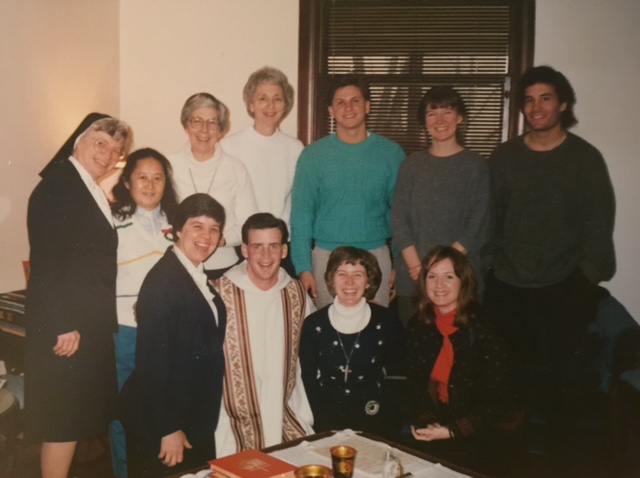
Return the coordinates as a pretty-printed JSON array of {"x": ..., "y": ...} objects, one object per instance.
[
  {"x": 200, "y": 474},
  {"x": 369, "y": 460}
]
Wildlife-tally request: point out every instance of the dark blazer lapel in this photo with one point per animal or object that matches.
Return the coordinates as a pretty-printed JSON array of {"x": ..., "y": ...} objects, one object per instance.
[{"x": 193, "y": 288}]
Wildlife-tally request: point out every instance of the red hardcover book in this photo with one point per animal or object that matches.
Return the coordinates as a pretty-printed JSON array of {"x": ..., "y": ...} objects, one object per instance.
[{"x": 251, "y": 464}]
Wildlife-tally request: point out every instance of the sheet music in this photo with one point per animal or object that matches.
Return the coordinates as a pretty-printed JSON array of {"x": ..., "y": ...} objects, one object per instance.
[{"x": 369, "y": 460}]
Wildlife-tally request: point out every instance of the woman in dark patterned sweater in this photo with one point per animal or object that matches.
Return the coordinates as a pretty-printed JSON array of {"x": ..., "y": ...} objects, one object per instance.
[
  {"x": 460, "y": 376},
  {"x": 349, "y": 347}
]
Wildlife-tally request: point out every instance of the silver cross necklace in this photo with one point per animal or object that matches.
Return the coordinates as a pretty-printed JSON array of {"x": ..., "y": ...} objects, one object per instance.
[{"x": 345, "y": 368}]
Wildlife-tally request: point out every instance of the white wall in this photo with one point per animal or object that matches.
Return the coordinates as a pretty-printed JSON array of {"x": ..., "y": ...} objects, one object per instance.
[
  {"x": 171, "y": 50},
  {"x": 58, "y": 62},
  {"x": 596, "y": 44}
]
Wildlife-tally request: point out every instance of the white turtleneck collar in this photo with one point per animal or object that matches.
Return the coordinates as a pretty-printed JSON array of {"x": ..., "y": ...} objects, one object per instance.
[
  {"x": 349, "y": 320},
  {"x": 202, "y": 166}
]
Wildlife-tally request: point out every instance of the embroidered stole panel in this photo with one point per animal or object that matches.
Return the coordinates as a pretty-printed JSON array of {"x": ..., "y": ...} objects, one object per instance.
[{"x": 240, "y": 398}]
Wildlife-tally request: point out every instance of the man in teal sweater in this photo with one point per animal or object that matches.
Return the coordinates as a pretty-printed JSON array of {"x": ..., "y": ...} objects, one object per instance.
[{"x": 343, "y": 190}]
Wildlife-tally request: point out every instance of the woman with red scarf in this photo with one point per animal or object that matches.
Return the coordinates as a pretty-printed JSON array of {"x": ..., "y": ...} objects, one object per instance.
[{"x": 459, "y": 374}]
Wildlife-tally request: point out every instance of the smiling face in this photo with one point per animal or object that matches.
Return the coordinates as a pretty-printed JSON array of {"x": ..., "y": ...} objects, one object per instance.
[
  {"x": 350, "y": 282},
  {"x": 98, "y": 153},
  {"x": 542, "y": 109},
  {"x": 264, "y": 251},
  {"x": 349, "y": 108},
  {"x": 267, "y": 106},
  {"x": 443, "y": 286},
  {"x": 199, "y": 238},
  {"x": 442, "y": 123},
  {"x": 203, "y": 137},
  {"x": 146, "y": 184}
]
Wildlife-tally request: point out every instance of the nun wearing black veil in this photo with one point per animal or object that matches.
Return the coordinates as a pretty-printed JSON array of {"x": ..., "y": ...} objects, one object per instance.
[{"x": 70, "y": 376}]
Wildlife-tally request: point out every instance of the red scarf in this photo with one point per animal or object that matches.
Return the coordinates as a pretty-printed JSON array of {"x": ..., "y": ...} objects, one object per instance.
[{"x": 444, "y": 362}]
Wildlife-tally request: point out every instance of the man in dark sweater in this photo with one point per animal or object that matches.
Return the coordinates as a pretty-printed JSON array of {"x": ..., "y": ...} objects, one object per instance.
[{"x": 553, "y": 240}]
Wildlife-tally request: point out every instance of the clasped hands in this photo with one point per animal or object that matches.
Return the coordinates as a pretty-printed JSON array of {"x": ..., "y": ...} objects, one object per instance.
[{"x": 432, "y": 432}]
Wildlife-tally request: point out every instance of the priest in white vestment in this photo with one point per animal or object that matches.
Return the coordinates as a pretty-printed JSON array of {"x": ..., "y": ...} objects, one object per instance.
[{"x": 264, "y": 398}]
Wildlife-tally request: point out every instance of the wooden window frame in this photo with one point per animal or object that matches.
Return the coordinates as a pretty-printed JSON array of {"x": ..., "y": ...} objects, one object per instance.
[{"x": 310, "y": 58}]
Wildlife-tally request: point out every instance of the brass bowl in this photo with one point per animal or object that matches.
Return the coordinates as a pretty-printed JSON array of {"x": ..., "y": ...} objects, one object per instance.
[{"x": 313, "y": 471}]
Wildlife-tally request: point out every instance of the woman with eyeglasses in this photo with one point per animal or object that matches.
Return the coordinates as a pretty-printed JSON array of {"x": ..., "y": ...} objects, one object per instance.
[
  {"x": 201, "y": 166},
  {"x": 70, "y": 375}
]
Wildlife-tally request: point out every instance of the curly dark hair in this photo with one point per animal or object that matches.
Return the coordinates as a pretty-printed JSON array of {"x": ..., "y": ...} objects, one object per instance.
[
  {"x": 551, "y": 77},
  {"x": 467, "y": 300},
  {"x": 124, "y": 205}
]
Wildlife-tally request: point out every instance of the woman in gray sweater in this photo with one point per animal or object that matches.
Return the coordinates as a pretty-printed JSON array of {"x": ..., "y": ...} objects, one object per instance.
[{"x": 441, "y": 196}]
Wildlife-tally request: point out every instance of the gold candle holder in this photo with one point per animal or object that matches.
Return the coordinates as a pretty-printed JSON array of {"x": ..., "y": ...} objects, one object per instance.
[
  {"x": 313, "y": 471},
  {"x": 343, "y": 459}
]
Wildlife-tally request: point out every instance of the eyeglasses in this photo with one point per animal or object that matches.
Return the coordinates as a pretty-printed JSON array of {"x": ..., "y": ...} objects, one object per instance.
[
  {"x": 197, "y": 122},
  {"x": 103, "y": 147}
]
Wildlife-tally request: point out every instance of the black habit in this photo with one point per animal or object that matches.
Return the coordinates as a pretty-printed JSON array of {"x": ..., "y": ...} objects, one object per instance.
[{"x": 71, "y": 287}]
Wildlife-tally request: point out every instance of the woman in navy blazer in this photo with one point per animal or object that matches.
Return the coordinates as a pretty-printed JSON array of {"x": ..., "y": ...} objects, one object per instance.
[{"x": 172, "y": 400}]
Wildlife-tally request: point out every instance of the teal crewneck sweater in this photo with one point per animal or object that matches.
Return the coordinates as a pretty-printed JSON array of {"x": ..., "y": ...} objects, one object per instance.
[{"x": 342, "y": 195}]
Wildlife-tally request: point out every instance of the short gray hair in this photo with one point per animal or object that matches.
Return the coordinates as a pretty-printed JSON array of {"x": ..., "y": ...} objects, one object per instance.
[
  {"x": 117, "y": 129},
  {"x": 204, "y": 100},
  {"x": 268, "y": 74}
]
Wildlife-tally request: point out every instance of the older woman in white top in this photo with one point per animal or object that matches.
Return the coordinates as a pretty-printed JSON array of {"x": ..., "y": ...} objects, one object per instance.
[
  {"x": 201, "y": 166},
  {"x": 269, "y": 154}
]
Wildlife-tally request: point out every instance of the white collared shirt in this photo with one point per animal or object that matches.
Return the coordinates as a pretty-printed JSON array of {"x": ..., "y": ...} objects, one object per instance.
[
  {"x": 94, "y": 189},
  {"x": 151, "y": 221}
]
